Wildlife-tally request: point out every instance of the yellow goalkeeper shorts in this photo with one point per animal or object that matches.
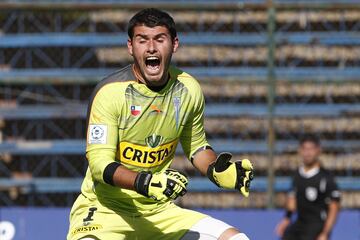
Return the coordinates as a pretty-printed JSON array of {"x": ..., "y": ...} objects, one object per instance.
[{"x": 90, "y": 219}]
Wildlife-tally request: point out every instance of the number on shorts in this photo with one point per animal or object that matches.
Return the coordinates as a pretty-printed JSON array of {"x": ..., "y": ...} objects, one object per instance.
[{"x": 90, "y": 214}]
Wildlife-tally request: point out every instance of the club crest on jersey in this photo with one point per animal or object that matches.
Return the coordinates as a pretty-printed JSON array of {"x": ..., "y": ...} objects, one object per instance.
[
  {"x": 153, "y": 140},
  {"x": 135, "y": 110}
]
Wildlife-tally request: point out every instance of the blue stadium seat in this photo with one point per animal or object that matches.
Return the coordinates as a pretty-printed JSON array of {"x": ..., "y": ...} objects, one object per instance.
[
  {"x": 120, "y": 39},
  {"x": 79, "y": 76},
  {"x": 70, "y": 111},
  {"x": 198, "y": 184},
  {"x": 77, "y": 147}
]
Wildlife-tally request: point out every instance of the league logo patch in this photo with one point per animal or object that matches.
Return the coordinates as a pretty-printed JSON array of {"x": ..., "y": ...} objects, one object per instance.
[
  {"x": 311, "y": 193},
  {"x": 135, "y": 110},
  {"x": 97, "y": 134}
]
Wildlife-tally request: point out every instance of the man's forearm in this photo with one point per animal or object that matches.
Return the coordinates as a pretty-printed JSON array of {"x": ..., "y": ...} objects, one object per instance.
[
  {"x": 203, "y": 159},
  {"x": 331, "y": 218},
  {"x": 124, "y": 178},
  {"x": 291, "y": 203}
]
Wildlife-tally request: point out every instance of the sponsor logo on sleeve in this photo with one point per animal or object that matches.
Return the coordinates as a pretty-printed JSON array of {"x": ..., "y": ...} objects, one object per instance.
[{"x": 97, "y": 134}]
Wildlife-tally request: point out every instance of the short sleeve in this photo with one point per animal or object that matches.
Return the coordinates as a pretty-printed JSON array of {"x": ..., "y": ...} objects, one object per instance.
[{"x": 332, "y": 191}]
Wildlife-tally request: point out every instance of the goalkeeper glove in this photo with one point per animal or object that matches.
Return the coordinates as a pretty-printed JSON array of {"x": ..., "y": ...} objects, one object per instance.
[
  {"x": 161, "y": 186},
  {"x": 231, "y": 175}
]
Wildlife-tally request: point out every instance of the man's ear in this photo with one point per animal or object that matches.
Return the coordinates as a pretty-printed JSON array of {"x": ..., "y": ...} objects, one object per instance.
[
  {"x": 175, "y": 44},
  {"x": 129, "y": 45}
]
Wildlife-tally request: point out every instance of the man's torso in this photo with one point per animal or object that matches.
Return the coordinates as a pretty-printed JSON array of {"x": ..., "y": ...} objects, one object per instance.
[{"x": 149, "y": 127}]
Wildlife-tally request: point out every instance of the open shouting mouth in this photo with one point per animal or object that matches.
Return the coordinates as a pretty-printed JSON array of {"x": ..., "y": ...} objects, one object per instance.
[{"x": 152, "y": 63}]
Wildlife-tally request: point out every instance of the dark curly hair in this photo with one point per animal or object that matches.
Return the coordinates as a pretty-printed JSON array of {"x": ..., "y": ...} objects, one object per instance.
[
  {"x": 310, "y": 138},
  {"x": 152, "y": 17}
]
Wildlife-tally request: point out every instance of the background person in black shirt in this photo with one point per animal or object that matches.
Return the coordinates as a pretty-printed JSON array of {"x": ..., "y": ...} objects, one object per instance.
[{"x": 314, "y": 196}]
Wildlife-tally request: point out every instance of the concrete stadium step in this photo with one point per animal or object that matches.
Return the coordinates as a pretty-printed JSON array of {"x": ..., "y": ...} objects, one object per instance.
[
  {"x": 239, "y": 54},
  {"x": 249, "y": 16},
  {"x": 217, "y": 88},
  {"x": 238, "y": 125},
  {"x": 195, "y": 12}
]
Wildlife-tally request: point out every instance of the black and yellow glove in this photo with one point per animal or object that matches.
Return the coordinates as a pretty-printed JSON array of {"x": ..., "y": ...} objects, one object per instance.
[
  {"x": 231, "y": 175},
  {"x": 161, "y": 186}
]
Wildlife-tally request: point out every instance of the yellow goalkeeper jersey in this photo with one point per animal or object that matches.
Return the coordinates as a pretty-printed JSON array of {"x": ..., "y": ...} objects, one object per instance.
[{"x": 132, "y": 125}]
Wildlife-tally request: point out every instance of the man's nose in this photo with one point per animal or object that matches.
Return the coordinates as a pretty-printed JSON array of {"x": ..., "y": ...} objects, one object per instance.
[{"x": 151, "y": 47}]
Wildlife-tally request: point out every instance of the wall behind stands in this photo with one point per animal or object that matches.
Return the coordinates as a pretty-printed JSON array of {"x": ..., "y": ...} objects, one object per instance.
[{"x": 52, "y": 223}]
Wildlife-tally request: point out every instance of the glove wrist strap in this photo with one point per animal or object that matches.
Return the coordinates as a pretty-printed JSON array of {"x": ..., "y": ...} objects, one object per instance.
[
  {"x": 142, "y": 182},
  {"x": 210, "y": 173}
]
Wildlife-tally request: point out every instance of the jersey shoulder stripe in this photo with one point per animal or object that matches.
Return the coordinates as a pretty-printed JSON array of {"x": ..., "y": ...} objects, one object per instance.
[
  {"x": 190, "y": 83},
  {"x": 121, "y": 76}
]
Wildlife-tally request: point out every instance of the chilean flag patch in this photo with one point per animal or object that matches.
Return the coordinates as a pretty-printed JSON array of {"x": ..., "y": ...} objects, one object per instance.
[{"x": 135, "y": 110}]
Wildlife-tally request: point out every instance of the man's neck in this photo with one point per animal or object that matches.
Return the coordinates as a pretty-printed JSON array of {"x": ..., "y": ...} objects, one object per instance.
[
  {"x": 309, "y": 171},
  {"x": 311, "y": 167},
  {"x": 140, "y": 79}
]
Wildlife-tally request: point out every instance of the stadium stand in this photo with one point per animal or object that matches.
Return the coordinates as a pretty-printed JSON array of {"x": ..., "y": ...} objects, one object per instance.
[{"x": 52, "y": 55}]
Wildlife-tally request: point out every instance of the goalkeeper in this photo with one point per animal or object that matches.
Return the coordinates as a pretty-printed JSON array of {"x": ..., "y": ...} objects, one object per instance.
[{"x": 136, "y": 117}]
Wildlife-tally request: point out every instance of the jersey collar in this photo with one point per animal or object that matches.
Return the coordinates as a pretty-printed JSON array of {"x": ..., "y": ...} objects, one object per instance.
[
  {"x": 143, "y": 89},
  {"x": 309, "y": 173}
]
